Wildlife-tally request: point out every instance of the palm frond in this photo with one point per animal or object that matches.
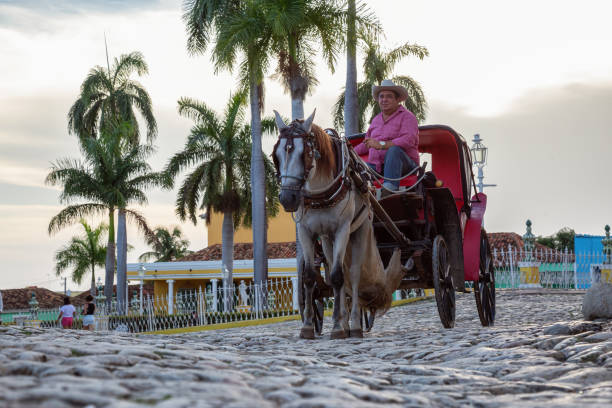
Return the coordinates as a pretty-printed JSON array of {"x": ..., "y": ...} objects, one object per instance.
[{"x": 73, "y": 214}]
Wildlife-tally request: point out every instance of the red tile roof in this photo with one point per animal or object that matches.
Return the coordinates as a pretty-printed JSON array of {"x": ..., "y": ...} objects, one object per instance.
[
  {"x": 47, "y": 299},
  {"x": 276, "y": 250},
  {"x": 498, "y": 240}
]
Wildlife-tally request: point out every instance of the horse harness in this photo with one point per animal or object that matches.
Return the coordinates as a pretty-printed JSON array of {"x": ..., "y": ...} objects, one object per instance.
[{"x": 336, "y": 191}]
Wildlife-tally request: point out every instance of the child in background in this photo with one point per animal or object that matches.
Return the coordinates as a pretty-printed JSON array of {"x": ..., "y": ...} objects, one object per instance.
[
  {"x": 88, "y": 314},
  {"x": 66, "y": 314}
]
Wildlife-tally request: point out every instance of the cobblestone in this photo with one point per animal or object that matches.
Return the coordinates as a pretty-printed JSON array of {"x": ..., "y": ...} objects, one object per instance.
[{"x": 539, "y": 352}]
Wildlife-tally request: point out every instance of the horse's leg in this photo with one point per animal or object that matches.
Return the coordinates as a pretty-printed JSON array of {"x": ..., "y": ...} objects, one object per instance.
[
  {"x": 308, "y": 280},
  {"x": 340, "y": 328},
  {"x": 329, "y": 254},
  {"x": 358, "y": 252}
]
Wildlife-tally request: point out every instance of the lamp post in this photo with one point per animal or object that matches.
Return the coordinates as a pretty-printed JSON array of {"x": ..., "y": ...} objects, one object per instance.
[
  {"x": 100, "y": 297},
  {"x": 607, "y": 246},
  {"x": 479, "y": 159},
  {"x": 141, "y": 273},
  {"x": 33, "y": 307}
]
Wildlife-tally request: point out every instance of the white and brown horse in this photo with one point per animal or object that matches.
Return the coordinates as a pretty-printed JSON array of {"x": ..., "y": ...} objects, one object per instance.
[{"x": 329, "y": 206}]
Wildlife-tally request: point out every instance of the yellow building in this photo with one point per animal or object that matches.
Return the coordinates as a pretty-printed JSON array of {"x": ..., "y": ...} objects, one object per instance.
[{"x": 175, "y": 277}]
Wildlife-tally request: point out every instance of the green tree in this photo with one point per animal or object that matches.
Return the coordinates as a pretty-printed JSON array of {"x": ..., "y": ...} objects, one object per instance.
[
  {"x": 169, "y": 246},
  {"x": 564, "y": 238},
  {"x": 219, "y": 151},
  {"x": 379, "y": 65},
  {"x": 243, "y": 39},
  {"x": 108, "y": 94},
  {"x": 83, "y": 254},
  {"x": 111, "y": 176},
  {"x": 351, "y": 105},
  {"x": 301, "y": 28},
  {"x": 108, "y": 97}
]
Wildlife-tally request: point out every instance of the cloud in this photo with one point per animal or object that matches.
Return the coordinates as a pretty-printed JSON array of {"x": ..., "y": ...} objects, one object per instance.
[
  {"x": 40, "y": 15},
  {"x": 549, "y": 154}
]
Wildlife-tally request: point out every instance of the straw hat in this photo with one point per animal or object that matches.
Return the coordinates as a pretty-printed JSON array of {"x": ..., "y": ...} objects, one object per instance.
[{"x": 388, "y": 85}]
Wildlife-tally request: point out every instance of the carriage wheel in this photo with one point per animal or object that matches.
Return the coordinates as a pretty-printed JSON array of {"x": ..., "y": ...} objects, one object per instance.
[
  {"x": 484, "y": 289},
  {"x": 367, "y": 319},
  {"x": 443, "y": 282}
]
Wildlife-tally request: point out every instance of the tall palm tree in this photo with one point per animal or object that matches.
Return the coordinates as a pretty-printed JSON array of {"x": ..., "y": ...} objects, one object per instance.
[
  {"x": 243, "y": 36},
  {"x": 111, "y": 176},
  {"x": 211, "y": 21},
  {"x": 83, "y": 254},
  {"x": 168, "y": 247},
  {"x": 220, "y": 150},
  {"x": 351, "y": 105},
  {"x": 300, "y": 28},
  {"x": 108, "y": 94},
  {"x": 379, "y": 65}
]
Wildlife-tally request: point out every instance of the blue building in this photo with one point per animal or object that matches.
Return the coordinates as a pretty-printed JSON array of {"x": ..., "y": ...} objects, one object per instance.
[{"x": 588, "y": 250}]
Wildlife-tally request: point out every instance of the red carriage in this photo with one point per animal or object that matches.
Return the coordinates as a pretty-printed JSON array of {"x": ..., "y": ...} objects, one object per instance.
[{"x": 437, "y": 223}]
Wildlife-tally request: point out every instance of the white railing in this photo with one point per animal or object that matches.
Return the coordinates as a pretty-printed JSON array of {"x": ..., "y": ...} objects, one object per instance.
[
  {"x": 277, "y": 297},
  {"x": 551, "y": 269}
]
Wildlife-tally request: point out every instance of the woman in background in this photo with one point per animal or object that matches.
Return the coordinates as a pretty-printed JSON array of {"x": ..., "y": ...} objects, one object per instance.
[
  {"x": 66, "y": 314},
  {"x": 88, "y": 314}
]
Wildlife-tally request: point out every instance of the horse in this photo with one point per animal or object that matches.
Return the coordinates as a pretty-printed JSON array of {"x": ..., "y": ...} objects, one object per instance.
[{"x": 313, "y": 170}]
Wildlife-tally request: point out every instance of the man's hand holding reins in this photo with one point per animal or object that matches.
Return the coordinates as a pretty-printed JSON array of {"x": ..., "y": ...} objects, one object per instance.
[{"x": 375, "y": 144}]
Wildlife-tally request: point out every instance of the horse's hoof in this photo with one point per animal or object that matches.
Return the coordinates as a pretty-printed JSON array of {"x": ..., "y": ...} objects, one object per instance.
[
  {"x": 307, "y": 334},
  {"x": 358, "y": 333},
  {"x": 338, "y": 334}
]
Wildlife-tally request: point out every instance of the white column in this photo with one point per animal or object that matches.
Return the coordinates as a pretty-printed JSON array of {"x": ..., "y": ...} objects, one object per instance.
[
  {"x": 170, "y": 296},
  {"x": 294, "y": 285},
  {"x": 214, "y": 294}
]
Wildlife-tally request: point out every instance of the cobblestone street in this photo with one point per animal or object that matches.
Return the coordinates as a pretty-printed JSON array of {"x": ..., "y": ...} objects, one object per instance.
[{"x": 539, "y": 352}]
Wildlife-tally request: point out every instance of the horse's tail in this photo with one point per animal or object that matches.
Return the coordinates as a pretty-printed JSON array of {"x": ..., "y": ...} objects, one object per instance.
[{"x": 381, "y": 294}]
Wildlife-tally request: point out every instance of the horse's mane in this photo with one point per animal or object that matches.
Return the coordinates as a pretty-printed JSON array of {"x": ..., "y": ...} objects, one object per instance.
[{"x": 327, "y": 163}]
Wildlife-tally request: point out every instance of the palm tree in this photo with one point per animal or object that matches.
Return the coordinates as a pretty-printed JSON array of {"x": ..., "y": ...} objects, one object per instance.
[
  {"x": 220, "y": 150},
  {"x": 112, "y": 176},
  {"x": 168, "y": 247},
  {"x": 240, "y": 30},
  {"x": 108, "y": 94},
  {"x": 299, "y": 27},
  {"x": 379, "y": 65},
  {"x": 351, "y": 106},
  {"x": 84, "y": 253}
]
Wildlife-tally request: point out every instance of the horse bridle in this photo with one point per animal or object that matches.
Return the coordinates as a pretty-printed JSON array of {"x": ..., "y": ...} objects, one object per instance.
[{"x": 309, "y": 155}]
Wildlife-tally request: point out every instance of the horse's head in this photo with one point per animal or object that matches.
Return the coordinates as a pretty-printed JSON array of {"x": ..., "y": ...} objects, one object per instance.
[{"x": 294, "y": 157}]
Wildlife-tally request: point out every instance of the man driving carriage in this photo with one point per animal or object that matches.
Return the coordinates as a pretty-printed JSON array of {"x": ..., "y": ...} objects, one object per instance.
[{"x": 392, "y": 139}]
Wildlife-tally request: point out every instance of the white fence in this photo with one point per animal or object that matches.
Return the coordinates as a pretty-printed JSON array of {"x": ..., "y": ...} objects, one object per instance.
[
  {"x": 514, "y": 269},
  {"x": 518, "y": 269}
]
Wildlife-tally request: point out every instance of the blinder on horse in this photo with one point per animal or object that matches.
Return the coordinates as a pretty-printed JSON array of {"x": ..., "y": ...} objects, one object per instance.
[{"x": 309, "y": 155}]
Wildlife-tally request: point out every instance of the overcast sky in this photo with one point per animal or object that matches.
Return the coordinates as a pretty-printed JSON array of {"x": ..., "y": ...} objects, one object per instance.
[{"x": 533, "y": 78}]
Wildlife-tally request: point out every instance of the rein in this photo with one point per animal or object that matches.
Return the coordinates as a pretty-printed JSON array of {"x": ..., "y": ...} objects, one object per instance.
[{"x": 332, "y": 193}]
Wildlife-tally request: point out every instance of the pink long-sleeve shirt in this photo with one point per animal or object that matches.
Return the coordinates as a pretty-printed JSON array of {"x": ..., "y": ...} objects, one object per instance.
[{"x": 402, "y": 128}]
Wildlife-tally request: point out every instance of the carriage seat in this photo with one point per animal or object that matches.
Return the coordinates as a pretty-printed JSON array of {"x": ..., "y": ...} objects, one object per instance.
[{"x": 407, "y": 182}]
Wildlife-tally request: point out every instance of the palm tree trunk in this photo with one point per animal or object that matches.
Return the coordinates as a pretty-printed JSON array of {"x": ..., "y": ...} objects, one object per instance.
[
  {"x": 297, "y": 112},
  {"x": 351, "y": 105},
  {"x": 297, "y": 107},
  {"x": 92, "y": 290},
  {"x": 227, "y": 257},
  {"x": 109, "y": 278},
  {"x": 121, "y": 260},
  {"x": 258, "y": 188}
]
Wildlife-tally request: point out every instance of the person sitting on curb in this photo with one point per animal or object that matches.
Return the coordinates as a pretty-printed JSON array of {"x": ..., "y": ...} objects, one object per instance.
[
  {"x": 88, "y": 314},
  {"x": 66, "y": 314},
  {"x": 392, "y": 139}
]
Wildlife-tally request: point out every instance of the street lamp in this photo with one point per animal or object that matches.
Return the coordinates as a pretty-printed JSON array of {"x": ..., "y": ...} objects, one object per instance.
[
  {"x": 141, "y": 273},
  {"x": 479, "y": 159}
]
